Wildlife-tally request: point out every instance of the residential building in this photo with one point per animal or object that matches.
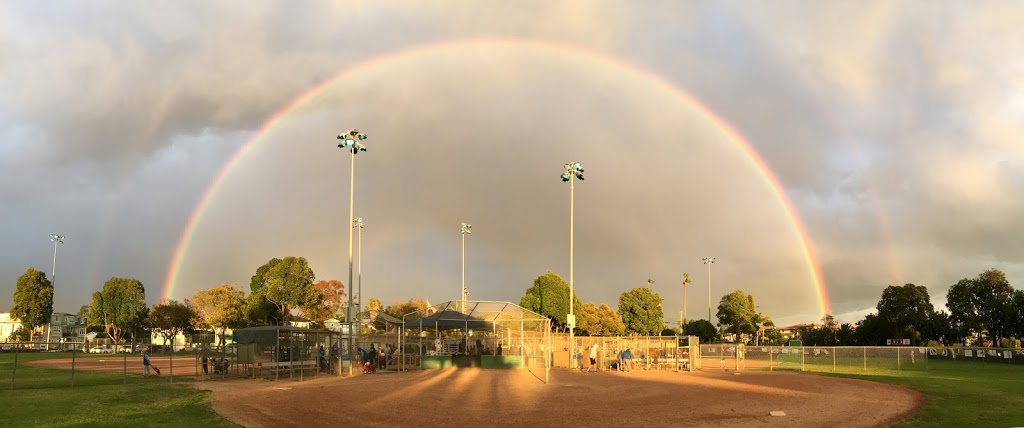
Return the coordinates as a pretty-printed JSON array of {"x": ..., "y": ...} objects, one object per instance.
[
  {"x": 793, "y": 331},
  {"x": 63, "y": 327},
  {"x": 8, "y": 325}
]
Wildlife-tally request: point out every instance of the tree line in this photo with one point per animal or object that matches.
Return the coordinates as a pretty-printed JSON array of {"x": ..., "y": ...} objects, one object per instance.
[
  {"x": 983, "y": 311},
  {"x": 280, "y": 290}
]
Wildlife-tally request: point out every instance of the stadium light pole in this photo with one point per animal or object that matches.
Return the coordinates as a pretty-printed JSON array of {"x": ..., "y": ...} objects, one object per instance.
[
  {"x": 573, "y": 171},
  {"x": 709, "y": 261},
  {"x": 350, "y": 140},
  {"x": 465, "y": 231},
  {"x": 57, "y": 239},
  {"x": 682, "y": 314},
  {"x": 358, "y": 223}
]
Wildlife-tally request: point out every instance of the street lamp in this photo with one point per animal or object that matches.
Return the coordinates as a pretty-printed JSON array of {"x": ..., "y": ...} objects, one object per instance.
[
  {"x": 57, "y": 239},
  {"x": 708, "y": 261},
  {"x": 573, "y": 170},
  {"x": 465, "y": 231},
  {"x": 350, "y": 140}
]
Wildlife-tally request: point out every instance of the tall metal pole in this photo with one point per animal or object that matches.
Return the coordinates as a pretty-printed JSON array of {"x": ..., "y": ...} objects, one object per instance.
[
  {"x": 708, "y": 261},
  {"x": 573, "y": 170},
  {"x": 686, "y": 281},
  {"x": 57, "y": 239},
  {"x": 709, "y": 294},
  {"x": 358, "y": 223},
  {"x": 572, "y": 214},
  {"x": 466, "y": 230},
  {"x": 350, "y": 140},
  {"x": 351, "y": 213},
  {"x": 463, "y": 293},
  {"x": 359, "y": 255}
]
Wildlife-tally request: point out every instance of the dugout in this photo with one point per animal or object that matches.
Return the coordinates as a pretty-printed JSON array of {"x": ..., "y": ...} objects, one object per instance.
[
  {"x": 379, "y": 330},
  {"x": 480, "y": 334},
  {"x": 276, "y": 351}
]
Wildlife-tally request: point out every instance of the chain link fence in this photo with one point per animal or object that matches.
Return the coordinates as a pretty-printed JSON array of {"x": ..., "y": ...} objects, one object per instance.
[{"x": 25, "y": 365}]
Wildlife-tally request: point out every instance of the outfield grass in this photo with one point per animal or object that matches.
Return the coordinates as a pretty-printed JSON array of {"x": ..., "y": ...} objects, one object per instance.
[
  {"x": 960, "y": 394},
  {"x": 44, "y": 397}
]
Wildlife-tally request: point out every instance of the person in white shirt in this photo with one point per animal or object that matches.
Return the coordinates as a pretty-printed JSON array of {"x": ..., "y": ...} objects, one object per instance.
[{"x": 593, "y": 358}]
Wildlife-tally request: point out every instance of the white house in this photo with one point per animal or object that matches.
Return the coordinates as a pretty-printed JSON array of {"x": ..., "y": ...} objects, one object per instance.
[
  {"x": 8, "y": 325},
  {"x": 63, "y": 327}
]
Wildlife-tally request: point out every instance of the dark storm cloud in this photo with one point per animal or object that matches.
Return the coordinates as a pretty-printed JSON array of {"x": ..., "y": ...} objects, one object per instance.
[{"x": 115, "y": 118}]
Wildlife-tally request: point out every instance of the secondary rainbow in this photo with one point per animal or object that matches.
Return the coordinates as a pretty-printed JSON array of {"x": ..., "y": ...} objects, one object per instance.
[{"x": 731, "y": 134}]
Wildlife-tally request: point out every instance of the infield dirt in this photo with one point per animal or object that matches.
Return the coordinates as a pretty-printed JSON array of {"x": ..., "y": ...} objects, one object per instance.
[{"x": 517, "y": 398}]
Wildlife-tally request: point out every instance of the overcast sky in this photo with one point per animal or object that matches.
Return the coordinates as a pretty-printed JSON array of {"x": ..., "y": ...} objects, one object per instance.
[{"x": 894, "y": 127}]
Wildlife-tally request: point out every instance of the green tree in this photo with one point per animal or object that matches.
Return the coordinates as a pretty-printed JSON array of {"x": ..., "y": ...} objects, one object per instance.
[
  {"x": 938, "y": 328},
  {"x": 399, "y": 309},
  {"x": 905, "y": 309},
  {"x": 980, "y": 305},
  {"x": 871, "y": 331},
  {"x": 260, "y": 311},
  {"x": 610, "y": 321},
  {"x": 33, "y": 300},
  {"x": 219, "y": 308},
  {"x": 640, "y": 309},
  {"x": 588, "y": 321},
  {"x": 736, "y": 311},
  {"x": 171, "y": 318},
  {"x": 772, "y": 336},
  {"x": 119, "y": 307},
  {"x": 845, "y": 335},
  {"x": 549, "y": 296},
  {"x": 1016, "y": 314},
  {"x": 703, "y": 329},
  {"x": 287, "y": 283}
]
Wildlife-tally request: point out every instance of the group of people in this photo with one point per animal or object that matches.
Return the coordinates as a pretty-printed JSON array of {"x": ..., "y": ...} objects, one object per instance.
[
  {"x": 328, "y": 359},
  {"x": 624, "y": 361},
  {"x": 378, "y": 358}
]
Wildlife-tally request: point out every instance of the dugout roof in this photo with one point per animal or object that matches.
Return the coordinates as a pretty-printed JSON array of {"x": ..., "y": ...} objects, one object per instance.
[{"x": 268, "y": 334}]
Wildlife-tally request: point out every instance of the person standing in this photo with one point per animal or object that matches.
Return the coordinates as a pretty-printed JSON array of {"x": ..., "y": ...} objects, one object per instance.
[
  {"x": 204, "y": 356},
  {"x": 593, "y": 358},
  {"x": 145, "y": 362},
  {"x": 334, "y": 358}
]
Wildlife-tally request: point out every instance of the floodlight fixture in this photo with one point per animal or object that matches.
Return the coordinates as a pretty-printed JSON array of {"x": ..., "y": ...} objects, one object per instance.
[{"x": 351, "y": 139}]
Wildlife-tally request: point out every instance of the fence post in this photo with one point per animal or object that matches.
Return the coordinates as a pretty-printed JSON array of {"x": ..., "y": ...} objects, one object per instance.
[
  {"x": 897, "y": 358},
  {"x": 771, "y": 366},
  {"x": 802, "y": 368},
  {"x": 14, "y": 369},
  {"x": 647, "y": 354},
  {"x": 833, "y": 359},
  {"x": 72, "y": 366},
  {"x": 124, "y": 377}
]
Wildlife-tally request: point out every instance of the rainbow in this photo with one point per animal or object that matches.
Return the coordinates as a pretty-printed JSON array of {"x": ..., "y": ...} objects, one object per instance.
[{"x": 731, "y": 134}]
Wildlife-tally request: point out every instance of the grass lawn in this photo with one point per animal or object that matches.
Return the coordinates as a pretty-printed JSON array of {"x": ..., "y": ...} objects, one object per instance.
[
  {"x": 960, "y": 394},
  {"x": 44, "y": 398}
]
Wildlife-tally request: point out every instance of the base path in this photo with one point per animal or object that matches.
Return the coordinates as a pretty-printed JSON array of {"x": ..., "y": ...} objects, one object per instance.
[{"x": 516, "y": 398}]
